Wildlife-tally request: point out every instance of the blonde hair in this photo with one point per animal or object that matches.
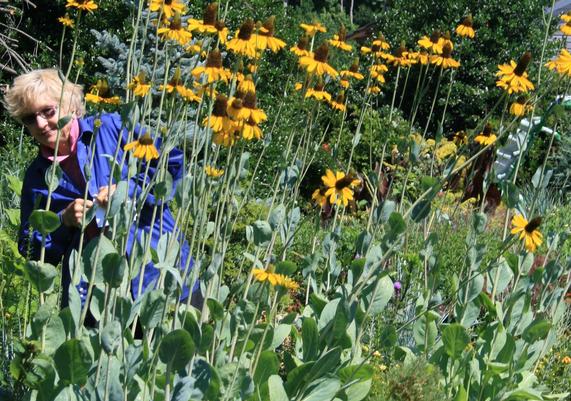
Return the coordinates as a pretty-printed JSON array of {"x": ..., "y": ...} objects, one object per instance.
[{"x": 44, "y": 84}]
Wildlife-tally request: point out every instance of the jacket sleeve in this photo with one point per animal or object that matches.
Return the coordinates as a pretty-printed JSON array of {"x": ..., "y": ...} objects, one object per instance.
[{"x": 30, "y": 240}]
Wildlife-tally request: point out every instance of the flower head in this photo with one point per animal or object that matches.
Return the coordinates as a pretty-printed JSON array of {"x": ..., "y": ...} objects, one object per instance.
[
  {"x": 513, "y": 77},
  {"x": 167, "y": 7},
  {"x": 353, "y": 71},
  {"x": 209, "y": 18},
  {"x": 433, "y": 43},
  {"x": 213, "y": 172},
  {"x": 566, "y": 28},
  {"x": 339, "y": 102},
  {"x": 219, "y": 120},
  {"x": 486, "y": 137},
  {"x": 312, "y": 29},
  {"x": 246, "y": 84},
  {"x": 318, "y": 92},
  {"x": 100, "y": 93},
  {"x": 466, "y": 28},
  {"x": 300, "y": 49},
  {"x": 528, "y": 231},
  {"x": 444, "y": 60},
  {"x": 520, "y": 107},
  {"x": 317, "y": 64},
  {"x": 562, "y": 63},
  {"x": 339, "y": 40},
  {"x": 250, "y": 130},
  {"x": 265, "y": 39},
  {"x": 399, "y": 58},
  {"x": 212, "y": 70},
  {"x": 339, "y": 187},
  {"x": 460, "y": 138},
  {"x": 66, "y": 21},
  {"x": 85, "y": 5},
  {"x": 173, "y": 30},
  {"x": 243, "y": 43},
  {"x": 144, "y": 148},
  {"x": 319, "y": 196},
  {"x": 378, "y": 46},
  {"x": 139, "y": 85},
  {"x": 176, "y": 84}
]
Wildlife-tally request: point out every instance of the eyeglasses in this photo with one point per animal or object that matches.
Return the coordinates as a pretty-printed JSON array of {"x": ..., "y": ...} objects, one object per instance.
[{"x": 46, "y": 113}]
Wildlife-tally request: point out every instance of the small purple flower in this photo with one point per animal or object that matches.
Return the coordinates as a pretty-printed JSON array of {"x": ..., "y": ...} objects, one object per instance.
[{"x": 397, "y": 286}]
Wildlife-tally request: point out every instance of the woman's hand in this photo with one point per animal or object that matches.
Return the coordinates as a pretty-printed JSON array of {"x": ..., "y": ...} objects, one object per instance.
[
  {"x": 104, "y": 194},
  {"x": 73, "y": 214}
]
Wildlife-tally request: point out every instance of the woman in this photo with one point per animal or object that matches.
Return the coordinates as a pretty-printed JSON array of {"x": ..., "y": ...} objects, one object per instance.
[{"x": 83, "y": 150}]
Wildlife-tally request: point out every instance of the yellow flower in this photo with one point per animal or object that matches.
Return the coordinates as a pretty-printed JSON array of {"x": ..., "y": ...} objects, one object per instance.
[
  {"x": 399, "y": 58},
  {"x": 85, "y": 5},
  {"x": 445, "y": 148},
  {"x": 377, "y": 71},
  {"x": 175, "y": 31},
  {"x": 377, "y": 47},
  {"x": 168, "y": 7},
  {"x": 262, "y": 276},
  {"x": 253, "y": 113},
  {"x": 566, "y": 17},
  {"x": 242, "y": 43},
  {"x": 566, "y": 360},
  {"x": 339, "y": 187},
  {"x": 344, "y": 83},
  {"x": 300, "y": 49},
  {"x": 486, "y": 137},
  {"x": 176, "y": 84},
  {"x": 318, "y": 93},
  {"x": 528, "y": 231},
  {"x": 289, "y": 283},
  {"x": 319, "y": 196},
  {"x": 562, "y": 63},
  {"x": 421, "y": 57},
  {"x": 317, "y": 64},
  {"x": 265, "y": 38},
  {"x": 339, "y": 102},
  {"x": 339, "y": 40},
  {"x": 250, "y": 130},
  {"x": 100, "y": 93},
  {"x": 144, "y": 148},
  {"x": 460, "y": 138},
  {"x": 444, "y": 60},
  {"x": 219, "y": 120},
  {"x": 139, "y": 86},
  {"x": 207, "y": 24},
  {"x": 374, "y": 90},
  {"x": 466, "y": 28},
  {"x": 513, "y": 77},
  {"x": 213, "y": 172},
  {"x": 433, "y": 43},
  {"x": 566, "y": 28},
  {"x": 246, "y": 84},
  {"x": 213, "y": 69},
  {"x": 353, "y": 71},
  {"x": 226, "y": 138},
  {"x": 66, "y": 21},
  {"x": 520, "y": 107},
  {"x": 312, "y": 29}
]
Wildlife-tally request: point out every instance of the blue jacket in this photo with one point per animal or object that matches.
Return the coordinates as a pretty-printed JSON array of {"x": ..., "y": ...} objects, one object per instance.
[{"x": 60, "y": 242}]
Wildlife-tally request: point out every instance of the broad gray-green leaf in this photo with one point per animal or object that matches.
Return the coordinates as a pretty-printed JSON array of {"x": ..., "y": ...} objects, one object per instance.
[
  {"x": 277, "y": 216},
  {"x": 310, "y": 339},
  {"x": 111, "y": 337},
  {"x": 176, "y": 349},
  {"x": 44, "y": 221},
  {"x": 93, "y": 260},
  {"x": 322, "y": 390},
  {"x": 268, "y": 365},
  {"x": 185, "y": 390},
  {"x": 152, "y": 308},
  {"x": 384, "y": 292},
  {"x": 424, "y": 332},
  {"x": 114, "y": 268},
  {"x": 537, "y": 330},
  {"x": 72, "y": 361},
  {"x": 276, "y": 389},
  {"x": 455, "y": 339},
  {"x": 262, "y": 232},
  {"x": 40, "y": 275}
]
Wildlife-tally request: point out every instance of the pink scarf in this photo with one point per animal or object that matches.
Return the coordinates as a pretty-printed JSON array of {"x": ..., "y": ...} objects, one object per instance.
[{"x": 48, "y": 153}]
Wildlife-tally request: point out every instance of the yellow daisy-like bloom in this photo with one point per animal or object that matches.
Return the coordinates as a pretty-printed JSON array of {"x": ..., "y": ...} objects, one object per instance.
[
  {"x": 213, "y": 69},
  {"x": 246, "y": 84},
  {"x": 312, "y": 29},
  {"x": 460, "y": 138},
  {"x": 528, "y": 231},
  {"x": 377, "y": 47},
  {"x": 243, "y": 43},
  {"x": 399, "y": 58},
  {"x": 513, "y": 77},
  {"x": 319, "y": 196},
  {"x": 175, "y": 84},
  {"x": 344, "y": 83},
  {"x": 433, "y": 43},
  {"x": 168, "y": 7},
  {"x": 374, "y": 90},
  {"x": 236, "y": 109},
  {"x": 466, "y": 28},
  {"x": 253, "y": 113},
  {"x": 265, "y": 38},
  {"x": 318, "y": 93},
  {"x": 219, "y": 120},
  {"x": 566, "y": 28},
  {"x": 66, "y": 21},
  {"x": 317, "y": 64},
  {"x": 339, "y": 40},
  {"x": 300, "y": 49},
  {"x": 208, "y": 22},
  {"x": 144, "y": 148},
  {"x": 139, "y": 85},
  {"x": 421, "y": 57},
  {"x": 297, "y": 86},
  {"x": 444, "y": 60},
  {"x": 353, "y": 71},
  {"x": 445, "y": 149},
  {"x": 85, "y": 5},
  {"x": 562, "y": 63},
  {"x": 486, "y": 137},
  {"x": 377, "y": 71},
  {"x": 175, "y": 31},
  {"x": 520, "y": 107},
  {"x": 263, "y": 275},
  {"x": 566, "y": 17},
  {"x": 226, "y": 138},
  {"x": 566, "y": 360},
  {"x": 339, "y": 187},
  {"x": 213, "y": 172},
  {"x": 339, "y": 102},
  {"x": 250, "y": 130},
  {"x": 100, "y": 93},
  {"x": 289, "y": 283}
]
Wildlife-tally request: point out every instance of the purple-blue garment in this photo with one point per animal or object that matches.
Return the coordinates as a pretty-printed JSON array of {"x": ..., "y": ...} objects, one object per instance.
[{"x": 60, "y": 242}]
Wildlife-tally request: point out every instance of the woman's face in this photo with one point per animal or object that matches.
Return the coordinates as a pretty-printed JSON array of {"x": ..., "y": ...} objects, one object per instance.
[{"x": 41, "y": 121}]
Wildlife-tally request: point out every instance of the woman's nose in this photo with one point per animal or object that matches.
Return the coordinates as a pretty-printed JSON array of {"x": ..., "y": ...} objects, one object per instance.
[{"x": 41, "y": 121}]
